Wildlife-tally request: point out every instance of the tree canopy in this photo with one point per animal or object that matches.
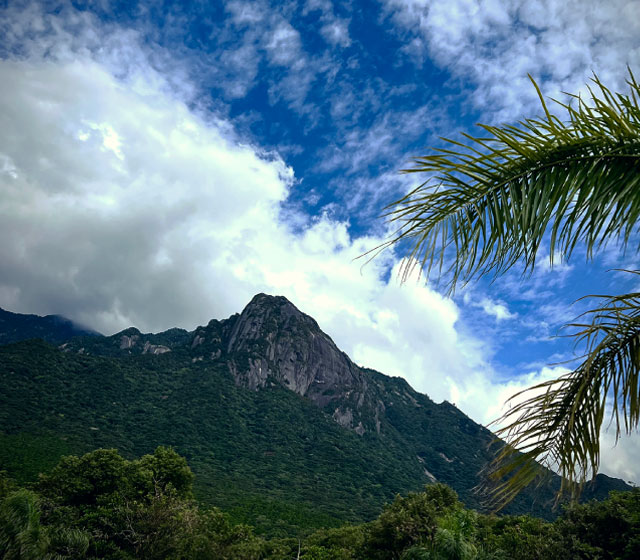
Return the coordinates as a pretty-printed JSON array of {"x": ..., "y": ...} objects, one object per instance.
[{"x": 76, "y": 511}]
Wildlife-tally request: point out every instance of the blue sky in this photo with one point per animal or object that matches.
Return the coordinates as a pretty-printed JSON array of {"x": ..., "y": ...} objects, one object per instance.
[{"x": 162, "y": 162}]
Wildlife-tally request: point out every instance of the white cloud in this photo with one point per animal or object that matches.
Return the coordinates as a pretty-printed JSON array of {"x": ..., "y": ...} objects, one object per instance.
[
  {"x": 284, "y": 45},
  {"x": 87, "y": 219},
  {"x": 365, "y": 162},
  {"x": 620, "y": 459},
  {"x": 177, "y": 222},
  {"x": 361, "y": 148},
  {"x": 498, "y": 309},
  {"x": 515, "y": 385},
  {"x": 336, "y": 33},
  {"x": 492, "y": 45},
  {"x": 121, "y": 206},
  {"x": 242, "y": 61},
  {"x": 250, "y": 13}
]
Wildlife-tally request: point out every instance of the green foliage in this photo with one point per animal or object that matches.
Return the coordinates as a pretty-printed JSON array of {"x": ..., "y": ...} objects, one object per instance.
[
  {"x": 522, "y": 537},
  {"x": 608, "y": 529},
  {"x": 270, "y": 457},
  {"x": 563, "y": 418},
  {"x": 7, "y": 485},
  {"x": 265, "y": 453},
  {"x": 102, "y": 505},
  {"x": 52, "y": 328},
  {"x": 342, "y": 543},
  {"x": 137, "y": 509},
  {"x": 27, "y": 455},
  {"x": 65, "y": 543},
  {"x": 164, "y": 471},
  {"x": 409, "y": 521},
  {"x": 455, "y": 536},
  {"x": 492, "y": 201},
  {"x": 84, "y": 480}
]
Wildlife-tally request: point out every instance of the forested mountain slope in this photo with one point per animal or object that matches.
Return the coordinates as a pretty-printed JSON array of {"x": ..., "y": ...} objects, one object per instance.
[{"x": 279, "y": 426}]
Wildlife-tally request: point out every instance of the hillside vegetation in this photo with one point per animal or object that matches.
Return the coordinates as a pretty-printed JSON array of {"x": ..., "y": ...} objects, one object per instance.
[
  {"x": 282, "y": 430},
  {"x": 101, "y": 505}
]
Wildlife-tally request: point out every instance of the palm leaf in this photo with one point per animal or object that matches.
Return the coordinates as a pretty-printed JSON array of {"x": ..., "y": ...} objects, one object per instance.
[
  {"x": 560, "y": 422},
  {"x": 489, "y": 203},
  {"x": 21, "y": 536}
]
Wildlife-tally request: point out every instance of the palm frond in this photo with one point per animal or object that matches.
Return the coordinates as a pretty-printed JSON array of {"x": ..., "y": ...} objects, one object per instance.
[
  {"x": 21, "y": 535},
  {"x": 560, "y": 423},
  {"x": 490, "y": 202}
]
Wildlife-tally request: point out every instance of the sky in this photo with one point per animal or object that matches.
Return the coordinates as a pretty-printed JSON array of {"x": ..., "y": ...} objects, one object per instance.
[{"x": 163, "y": 162}]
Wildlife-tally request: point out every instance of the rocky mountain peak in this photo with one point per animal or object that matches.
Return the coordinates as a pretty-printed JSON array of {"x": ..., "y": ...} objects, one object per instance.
[
  {"x": 273, "y": 339},
  {"x": 263, "y": 317}
]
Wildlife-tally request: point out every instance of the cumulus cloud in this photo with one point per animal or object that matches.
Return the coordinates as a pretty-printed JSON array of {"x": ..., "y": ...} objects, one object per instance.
[
  {"x": 119, "y": 209},
  {"x": 122, "y": 206},
  {"x": 114, "y": 196},
  {"x": 284, "y": 44},
  {"x": 619, "y": 458},
  {"x": 503, "y": 394},
  {"x": 492, "y": 46},
  {"x": 497, "y": 309}
]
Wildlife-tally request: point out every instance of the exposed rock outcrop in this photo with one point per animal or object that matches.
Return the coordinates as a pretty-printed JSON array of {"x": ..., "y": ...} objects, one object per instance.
[
  {"x": 284, "y": 343},
  {"x": 272, "y": 339},
  {"x": 127, "y": 342},
  {"x": 149, "y": 348}
]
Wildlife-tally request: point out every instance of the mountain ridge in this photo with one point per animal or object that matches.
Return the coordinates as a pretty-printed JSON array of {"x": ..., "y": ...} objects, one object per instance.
[
  {"x": 15, "y": 327},
  {"x": 226, "y": 394}
]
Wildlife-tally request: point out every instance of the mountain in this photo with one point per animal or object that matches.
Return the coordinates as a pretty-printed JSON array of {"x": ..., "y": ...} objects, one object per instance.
[
  {"x": 15, "y": 327},
  {"x": 279, "y": 425}
]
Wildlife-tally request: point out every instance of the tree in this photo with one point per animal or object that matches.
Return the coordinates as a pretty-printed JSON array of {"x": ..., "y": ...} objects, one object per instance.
[
  {"x": 453, "y": 540},
  {"x": 492, "y": 202},
  {"x": 84, "y": 481},
  {"x": 608, "y": 528},
  {"x": 116, "y": 508},
  {"x": 410, "y": 522},
  {"x": 166, "y": 468}
]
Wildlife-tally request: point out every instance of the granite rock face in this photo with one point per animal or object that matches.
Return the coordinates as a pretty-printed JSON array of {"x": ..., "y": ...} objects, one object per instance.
[
  {"x": 129, "y": 342},
  {"x": 289, "y": 346},
  {"x": 270, "y": 343},
  {"x": 273, "y": 341}
]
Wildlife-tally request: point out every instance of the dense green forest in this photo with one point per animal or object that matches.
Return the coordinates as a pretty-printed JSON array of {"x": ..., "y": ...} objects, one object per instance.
[
  {"x": 253, "y": 451},
  {"x": 101, "y": 505},
  {"x": 296, "y": 450},
  {"x": 270, "y": 458},
  {"x": 275, "y": 475}
]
